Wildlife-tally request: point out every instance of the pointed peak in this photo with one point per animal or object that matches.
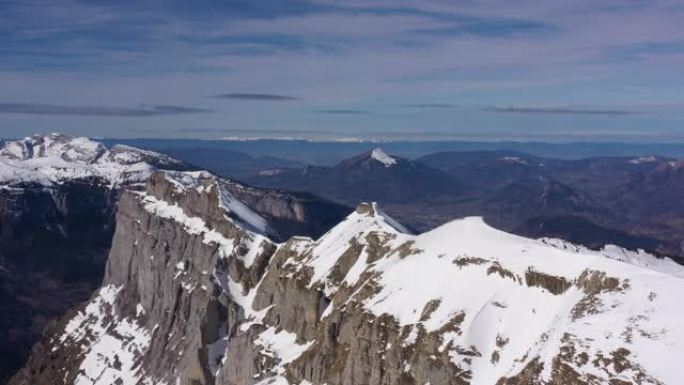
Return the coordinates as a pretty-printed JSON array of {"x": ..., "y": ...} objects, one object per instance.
[
  {"x": 366, "y": 208},
  {"x": 372, "y": 210},
  {"x": 382, "y": 157}
]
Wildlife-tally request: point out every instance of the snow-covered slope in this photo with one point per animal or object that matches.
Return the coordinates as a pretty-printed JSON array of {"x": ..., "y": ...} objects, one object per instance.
[
  {"x": 55, "y": 158},
  {"x": 500, "y": 305},
  {"x": 215, "y": 302}
]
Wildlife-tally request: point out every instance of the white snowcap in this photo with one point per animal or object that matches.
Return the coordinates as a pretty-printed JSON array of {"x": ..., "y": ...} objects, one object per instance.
[
  {"x": 55, "y": 158},
  {"x": 643, "y": 159},
  {"x": 382, "y": 157}
]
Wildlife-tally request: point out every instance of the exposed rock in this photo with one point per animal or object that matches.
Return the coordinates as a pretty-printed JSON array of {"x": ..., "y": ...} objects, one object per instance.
[
  {"x": 196, "y": 292},
  {"x": 58, "y": 197},
  {"x": 554, "y": 284}
]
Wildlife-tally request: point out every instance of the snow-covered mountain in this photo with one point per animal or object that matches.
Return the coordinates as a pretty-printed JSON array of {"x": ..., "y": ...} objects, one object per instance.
[
  {"x": 55, "y": 158},
  {"x": 196, "y": 293},
  {"x": 58, "y": 197},
  {"x": 370, "y": 176}
]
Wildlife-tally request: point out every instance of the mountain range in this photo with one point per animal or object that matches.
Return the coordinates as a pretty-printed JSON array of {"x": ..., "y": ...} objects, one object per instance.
[
  {"x": 196, "y": 291},
  {"x": 58, "y": 199},
  {"x": 142, "y": 269},
  {"x": 629, "y": 201}
]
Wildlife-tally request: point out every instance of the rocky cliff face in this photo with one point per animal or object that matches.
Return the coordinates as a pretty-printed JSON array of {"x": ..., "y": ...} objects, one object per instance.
[
  {"x": 58, "y": 197},
  {"x": 197, "y": 292},
  {"x": 53, "y": 248}
]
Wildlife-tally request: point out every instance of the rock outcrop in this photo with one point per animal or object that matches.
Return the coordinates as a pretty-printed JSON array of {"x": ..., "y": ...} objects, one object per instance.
[
  {"x": 58, "y": 198},
  {"x": 196, "y": 291},
  {"x": 58, "y": 195}
]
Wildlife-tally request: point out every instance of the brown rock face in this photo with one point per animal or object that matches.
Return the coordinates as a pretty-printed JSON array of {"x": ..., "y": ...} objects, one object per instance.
[{"x": 192, "y": 296}]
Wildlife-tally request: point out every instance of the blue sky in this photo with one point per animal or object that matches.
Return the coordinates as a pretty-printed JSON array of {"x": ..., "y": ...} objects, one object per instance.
[{"x": 482, "y": 70}]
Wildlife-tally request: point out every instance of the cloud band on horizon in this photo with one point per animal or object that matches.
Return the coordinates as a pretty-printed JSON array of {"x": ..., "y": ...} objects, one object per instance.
[
  {"x": 256, "y": 97},
  {"x": 559, "y": 110},
  {"x": 427, "y": 106},
  {"x": 342, "y": 112},
  {"x": 87, "y": 110}
]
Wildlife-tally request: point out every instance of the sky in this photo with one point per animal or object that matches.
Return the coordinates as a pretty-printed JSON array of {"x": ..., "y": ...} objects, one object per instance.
[{"x": 581, "y": 70}]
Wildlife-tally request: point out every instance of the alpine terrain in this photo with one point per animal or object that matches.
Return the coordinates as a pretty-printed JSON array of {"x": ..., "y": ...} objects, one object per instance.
[
  {"x": 197, "y": 290},
  {"x": 628, "y": 201},
  {"x": 58, "y": 197}
]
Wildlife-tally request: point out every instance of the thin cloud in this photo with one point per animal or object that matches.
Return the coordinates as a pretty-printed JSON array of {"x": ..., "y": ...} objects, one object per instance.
[
  {"x": 431, "y": 106},
  {"x": 559, "y": 110},
  {"x": 343, "y": 112},
  {"x": 256, "y": 97},
  {"x": 53, "y": 109}
]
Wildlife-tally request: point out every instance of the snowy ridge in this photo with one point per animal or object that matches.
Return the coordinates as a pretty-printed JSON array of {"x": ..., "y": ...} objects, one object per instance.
[
  {"x": 638, "y": 258},
  {"x": 325, "y": 252},
  {"x": 195, "y": 225},
  {"x": 532, "y": 294},
  {"x": 461, "y": 304},
  {"x": 55, "y": 158},
  {"x": 237, "y": 211}
]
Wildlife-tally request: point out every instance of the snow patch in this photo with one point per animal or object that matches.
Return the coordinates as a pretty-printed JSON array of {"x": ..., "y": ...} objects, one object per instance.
[
  {"x": 643, "y": 159},
  {"x": 252, "y": 219},
  {"x": 281, "y": 344},
  {"x": 515, "y": 159},
  {"x": 382, "y": 157},
  {"x": 112, "y": 344}
]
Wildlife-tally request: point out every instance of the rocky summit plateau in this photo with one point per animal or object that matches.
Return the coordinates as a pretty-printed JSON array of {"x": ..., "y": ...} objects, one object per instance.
[{"x": 198, "y": 290}]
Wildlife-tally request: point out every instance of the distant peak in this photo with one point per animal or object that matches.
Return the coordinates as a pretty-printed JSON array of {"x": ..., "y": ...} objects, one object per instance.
[{"x": 382, "y": 157}]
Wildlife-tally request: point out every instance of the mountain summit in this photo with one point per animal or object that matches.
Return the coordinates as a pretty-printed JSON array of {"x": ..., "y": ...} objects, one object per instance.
[
  {"x": 383, "y": 158},
  {"x": 369, "y": 176}
]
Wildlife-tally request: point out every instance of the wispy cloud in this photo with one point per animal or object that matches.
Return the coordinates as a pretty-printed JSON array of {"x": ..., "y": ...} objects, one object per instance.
[
  {"x": 559, "y": 110},
  {"x": 428, "y": 106},
  {"x": 488, "y": 27},
  {"x": 256, "y": 97},
  {"x": 53, "y": 109},
  {"x": 280, "y": 61},
  {"x": 342, "y": 112}
]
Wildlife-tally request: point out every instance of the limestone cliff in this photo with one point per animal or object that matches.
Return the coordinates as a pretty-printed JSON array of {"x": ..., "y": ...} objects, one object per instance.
[
  {"x": 58, "y": 197},
  {"x": 196, "y": 291}
]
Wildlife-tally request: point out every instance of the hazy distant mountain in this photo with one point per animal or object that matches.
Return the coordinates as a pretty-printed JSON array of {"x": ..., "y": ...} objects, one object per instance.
[
  {"x": 629, "y": 200},
  {"x": 486, "y": 170},
  {"x": 331, "y": 152},
  {"x": 584, "y": 232},
  {"x": 370, "y": 176},
  {"x": 230, "y": 163}
]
